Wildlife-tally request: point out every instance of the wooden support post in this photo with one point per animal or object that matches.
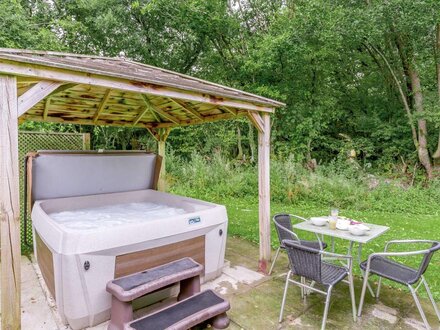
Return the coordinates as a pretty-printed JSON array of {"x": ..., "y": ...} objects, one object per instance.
[
  {"x": 161, "y": 150},
  {"x": 264, "y": 192},
  {"x": 161, "y": 135},
  {"x": 86, "y": 141},
  {"x": 9, "y": 205}
]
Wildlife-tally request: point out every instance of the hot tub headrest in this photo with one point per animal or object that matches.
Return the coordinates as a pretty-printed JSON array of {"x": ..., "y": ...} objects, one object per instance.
[{"x": 68, "y": 174}]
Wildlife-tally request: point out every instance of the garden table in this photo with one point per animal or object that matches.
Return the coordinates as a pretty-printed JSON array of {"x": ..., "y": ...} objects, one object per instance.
[{"x": 374, "y": 232}]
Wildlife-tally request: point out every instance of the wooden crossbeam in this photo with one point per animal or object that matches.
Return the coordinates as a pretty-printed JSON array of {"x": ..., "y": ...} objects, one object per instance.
[
  {"x": 256, "y": 119},
  {"x": 102, "y": 105},
  {"x": 230, "y": 110},
  {"x": 159, "y": 134},
  {"x": 140, "y": 115},
  {"x": 187, "y": 108},
  {"x": 160, "y": 111},
  {"x": 156, "y": 117},
  {"x": 37, "y": 93}
]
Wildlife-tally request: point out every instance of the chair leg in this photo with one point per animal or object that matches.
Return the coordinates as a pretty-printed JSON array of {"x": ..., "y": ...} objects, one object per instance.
[
  {"x": 303, "y": 289},
  {"x": 431, "y": 298},
  {"x": 284, "y": 297},
  {"x": 275, "y": 259},
  {"x": 327, "y": 305},
  {"x": 353, "y": 299},
  {"x": 378, "y": 287},
  {"x": 309, "y": 291},
  {"x": 419, "y": 306},
  {"x": 364, "y": 288}
]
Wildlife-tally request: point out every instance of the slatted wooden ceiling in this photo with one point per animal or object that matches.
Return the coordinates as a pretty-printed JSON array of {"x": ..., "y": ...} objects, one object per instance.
[{"x": 138, "y": 95}]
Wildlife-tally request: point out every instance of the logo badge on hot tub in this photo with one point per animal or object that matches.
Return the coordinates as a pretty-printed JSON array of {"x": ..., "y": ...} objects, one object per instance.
[{"x": 195, "y": 220}]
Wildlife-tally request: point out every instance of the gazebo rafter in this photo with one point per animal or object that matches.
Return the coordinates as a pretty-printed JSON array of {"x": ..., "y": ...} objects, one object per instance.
[{"x": 92, "y": 90}]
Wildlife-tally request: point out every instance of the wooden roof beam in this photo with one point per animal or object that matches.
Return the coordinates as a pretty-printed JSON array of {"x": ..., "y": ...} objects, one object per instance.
[
  {"x": 36, "y": 94},
  {"x": 187, "y": 108},
  {"x": 44, "y": 72},
  {"x": 206, "y": 119},
  {"x": 101, "y": 106},
  {"x": 84, "y": 121},
  {"x": 160, "y": 111}
]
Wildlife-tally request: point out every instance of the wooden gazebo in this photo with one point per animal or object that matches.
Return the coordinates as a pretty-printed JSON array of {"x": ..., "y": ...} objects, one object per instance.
[{"x": 92, "y": 90}]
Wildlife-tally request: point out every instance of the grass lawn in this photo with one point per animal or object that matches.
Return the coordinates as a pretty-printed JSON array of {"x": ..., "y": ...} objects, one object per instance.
[{"x": 243, "y": 222}]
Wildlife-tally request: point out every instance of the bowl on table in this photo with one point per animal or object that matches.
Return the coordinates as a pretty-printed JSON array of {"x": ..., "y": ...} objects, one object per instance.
[
  {"x": 358, "y": 230},
  {"x": 318, "y": 221},
  {"x": 342, "y": 224}
]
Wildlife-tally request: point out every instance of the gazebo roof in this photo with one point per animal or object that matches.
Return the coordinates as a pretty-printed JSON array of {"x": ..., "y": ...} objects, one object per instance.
[{"x": 98, "y": 90}]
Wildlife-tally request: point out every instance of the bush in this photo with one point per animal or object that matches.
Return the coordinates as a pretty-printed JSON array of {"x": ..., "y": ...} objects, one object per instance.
[{"x": 339, "y": 184}]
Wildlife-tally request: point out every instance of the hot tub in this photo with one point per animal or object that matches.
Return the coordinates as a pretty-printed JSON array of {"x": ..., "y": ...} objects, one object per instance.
[{"x": 82, "y": 242}]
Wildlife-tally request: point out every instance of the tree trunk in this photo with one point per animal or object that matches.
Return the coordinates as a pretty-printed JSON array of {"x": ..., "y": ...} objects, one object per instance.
[
  {"x": 422, "y": 149},
  {"x": 403, "y": 97},
  {"x": 436, "y": 155},
  {"x": 252, "y": 146},
  {"x": 239, "y": 145}
]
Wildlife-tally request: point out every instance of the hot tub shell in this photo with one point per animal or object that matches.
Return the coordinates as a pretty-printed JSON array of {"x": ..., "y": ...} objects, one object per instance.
[{"x": 77, "y": 264}]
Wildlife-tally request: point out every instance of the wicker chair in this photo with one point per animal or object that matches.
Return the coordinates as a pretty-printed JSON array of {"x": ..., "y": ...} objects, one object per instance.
[
  {"x": 381, "y": 265},
  {"x": 315, "y": 265},
  {"x": 283, "y": 226}
]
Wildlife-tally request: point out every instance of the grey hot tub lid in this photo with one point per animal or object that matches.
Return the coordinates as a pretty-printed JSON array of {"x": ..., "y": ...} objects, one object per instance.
[{"x": 57, "y": 174}]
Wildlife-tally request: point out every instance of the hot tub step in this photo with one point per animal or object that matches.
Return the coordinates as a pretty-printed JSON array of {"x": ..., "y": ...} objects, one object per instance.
[
  {"x": 128, "y": 288},
  {"x": 187, "y": 313}
]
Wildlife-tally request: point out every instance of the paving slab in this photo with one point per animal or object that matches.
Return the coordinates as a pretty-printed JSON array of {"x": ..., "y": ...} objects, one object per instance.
[{"x": 35, "y": 312}]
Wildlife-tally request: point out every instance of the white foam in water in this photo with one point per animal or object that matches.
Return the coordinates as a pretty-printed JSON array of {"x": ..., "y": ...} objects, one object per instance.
[{"x": 113, "y": 215}]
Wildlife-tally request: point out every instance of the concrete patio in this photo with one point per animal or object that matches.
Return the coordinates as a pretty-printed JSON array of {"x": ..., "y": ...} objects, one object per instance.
[{"x": 255, "y": 300}]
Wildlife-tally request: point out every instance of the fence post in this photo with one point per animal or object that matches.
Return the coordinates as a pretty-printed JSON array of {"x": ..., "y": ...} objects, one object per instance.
[{"x": 86, "y": 141}]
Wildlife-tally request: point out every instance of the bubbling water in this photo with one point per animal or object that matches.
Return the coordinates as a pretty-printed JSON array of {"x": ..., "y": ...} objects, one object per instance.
[{"x": 114, "y": 215}]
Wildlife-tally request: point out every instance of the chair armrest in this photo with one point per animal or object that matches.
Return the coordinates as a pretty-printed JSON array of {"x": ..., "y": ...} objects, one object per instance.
[
  {"x": 406, "y": 241},
  {"x": 394, "y": 254},
  {"x": 298, "y": 217},
  {"x": 337, "y": 256}
]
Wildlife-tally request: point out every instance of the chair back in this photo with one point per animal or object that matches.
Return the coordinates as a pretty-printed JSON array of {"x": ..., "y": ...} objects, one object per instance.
[
  {"x": 304, "y": 261},
  {"x": 427, "y": 258},
  {"x": 283, "y": 226}
]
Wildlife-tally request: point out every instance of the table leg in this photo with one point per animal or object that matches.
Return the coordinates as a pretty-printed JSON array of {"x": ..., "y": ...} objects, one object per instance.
[
  {"x": 350, "y": 248},
  {"x": 333, "y": 244},
  {"x": 362, "y": 272}
]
